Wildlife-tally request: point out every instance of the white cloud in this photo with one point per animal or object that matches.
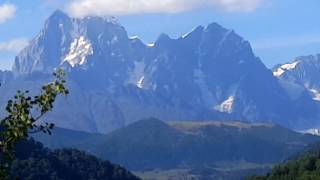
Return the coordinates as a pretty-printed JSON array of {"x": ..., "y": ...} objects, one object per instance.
[
  {"x": 14, "y": 45},
  {"x": 7, "y": 11},
  {"x": 80, "y": 8}
]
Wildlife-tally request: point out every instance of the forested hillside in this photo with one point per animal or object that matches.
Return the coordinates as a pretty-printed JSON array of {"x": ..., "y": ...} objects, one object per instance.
[{"x": 36, "y": 162}]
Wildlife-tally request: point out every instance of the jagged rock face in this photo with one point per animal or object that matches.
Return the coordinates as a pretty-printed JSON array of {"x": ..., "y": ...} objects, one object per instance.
[
  {"x": 215, "y": 68},
  {"x": 301, "y": 80},
  {"x": 304, "y": 73},
  {"x": 209, "y": 73}
]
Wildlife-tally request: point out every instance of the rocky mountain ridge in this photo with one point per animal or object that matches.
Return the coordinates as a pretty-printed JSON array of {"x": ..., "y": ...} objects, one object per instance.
[{"x": 114, "y": 79}]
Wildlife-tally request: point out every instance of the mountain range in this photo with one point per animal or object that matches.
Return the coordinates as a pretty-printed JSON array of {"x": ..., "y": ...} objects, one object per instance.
[{"x": 210, "y": 73}]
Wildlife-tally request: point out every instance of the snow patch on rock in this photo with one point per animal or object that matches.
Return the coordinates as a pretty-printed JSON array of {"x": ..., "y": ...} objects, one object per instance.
[
  {"x": 286, "y": 67},
  {"x": 136, "y": 75},
  {"x": 315, "y": 132},
  {"x": 140, "y": 82},
  {"x": 315, "y": 94},
  {"x": 226, "y": 106},
  {"x": 134, "y": 37},
  {"x": 79, "y": 50}
]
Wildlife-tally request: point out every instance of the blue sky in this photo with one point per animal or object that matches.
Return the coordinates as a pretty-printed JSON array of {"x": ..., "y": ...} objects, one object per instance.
[{"x": 278, "y": 30}]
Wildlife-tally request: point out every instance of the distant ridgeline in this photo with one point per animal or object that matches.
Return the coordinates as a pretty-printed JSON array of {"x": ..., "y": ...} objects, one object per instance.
[
  {"x": 36, "y": 162},
  {"x": 212, "y": 149},
  {"x": 115, "y": 80}
]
